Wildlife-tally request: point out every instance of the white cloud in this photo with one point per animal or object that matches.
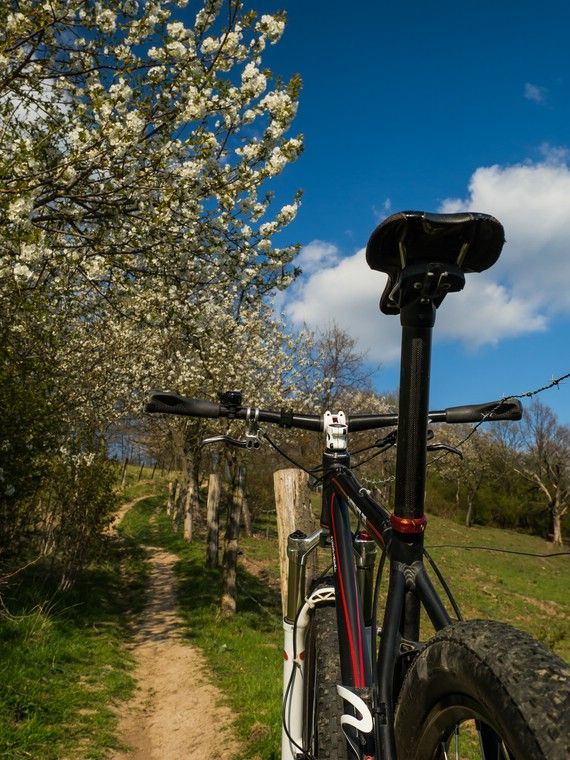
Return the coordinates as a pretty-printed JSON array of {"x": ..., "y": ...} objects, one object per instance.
[
  {"x": 384, "y": 211},
  {"x": 486, "y": 312},
  {"x": 533, "y": 203},
  {"x": 527, "y": 286},
  {"x": 534, "y": 92},
  {"x": 348, "y": 294},
  {"x": 554, "y": 154},
  {"x": 316, "y": 256}
]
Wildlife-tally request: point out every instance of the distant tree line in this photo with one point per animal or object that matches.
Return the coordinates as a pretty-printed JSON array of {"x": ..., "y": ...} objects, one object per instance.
[{"x": 507, "y": 474}]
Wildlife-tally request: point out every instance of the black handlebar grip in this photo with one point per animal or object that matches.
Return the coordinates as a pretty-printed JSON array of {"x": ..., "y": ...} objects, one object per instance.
[
  {"x": 510, "y": 409},
  {"x": 172, "y": 403}
]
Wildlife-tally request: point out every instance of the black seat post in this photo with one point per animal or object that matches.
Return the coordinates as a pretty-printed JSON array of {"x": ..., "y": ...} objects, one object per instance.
[{"x": 417, "y": 319}]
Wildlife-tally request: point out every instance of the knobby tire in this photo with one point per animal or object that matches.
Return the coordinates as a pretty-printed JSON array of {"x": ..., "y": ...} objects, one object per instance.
[
  {"x": 488, "y": 672},
  {"x": 324, "y": 736}
]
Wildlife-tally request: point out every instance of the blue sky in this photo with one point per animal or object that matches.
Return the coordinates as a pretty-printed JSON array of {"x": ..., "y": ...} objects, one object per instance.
[{"x": 439, "y": 106}]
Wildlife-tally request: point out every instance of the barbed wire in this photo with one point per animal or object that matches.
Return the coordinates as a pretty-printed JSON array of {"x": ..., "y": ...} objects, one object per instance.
[
  {"x": 527, "y": 394},
  {"x": 552, "y": 384},
  {"x": 469, "y": 547}
]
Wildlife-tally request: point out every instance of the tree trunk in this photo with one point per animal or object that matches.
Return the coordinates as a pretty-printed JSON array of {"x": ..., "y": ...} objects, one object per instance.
[
  {"x": 178, "y": 511},
  {"x": 213, "y": 514},
  {"x": 229, "y": 578},
  {"x": 293, "y": 505},
  {"x": 469, "y": 515},
  {"x": 556, "y": 522},
  {"x": 192, "y": 501},
  {"x": 172, "y": 495},
  {"x": 246, "y": 516}
]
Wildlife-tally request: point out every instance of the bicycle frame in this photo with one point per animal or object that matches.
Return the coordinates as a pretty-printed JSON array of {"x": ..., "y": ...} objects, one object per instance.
[
  {"x": 344, "y": 493},
  {"x": 367, "y": 693}
]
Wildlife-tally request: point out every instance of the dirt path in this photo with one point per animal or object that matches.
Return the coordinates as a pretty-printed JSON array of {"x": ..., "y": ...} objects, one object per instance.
[
  {"x": 176, "y": 713},
  {"x": 123, "y": 511}
]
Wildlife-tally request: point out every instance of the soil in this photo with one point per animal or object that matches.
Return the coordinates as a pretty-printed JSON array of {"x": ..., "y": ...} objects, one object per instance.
[{"x": 176, "y": 712}]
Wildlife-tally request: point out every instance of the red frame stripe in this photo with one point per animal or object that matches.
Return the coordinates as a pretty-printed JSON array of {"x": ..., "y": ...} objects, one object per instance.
[{"x": 359, "y": 678}]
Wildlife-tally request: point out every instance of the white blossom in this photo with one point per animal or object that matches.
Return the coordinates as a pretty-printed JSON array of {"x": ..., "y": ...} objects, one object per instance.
[
  {"x": 253, "y": 80},
  {"x": 22, "y": 272},
  {"x": 209, "y": 45},
  {"x": 287, "y": 213},
  {"x": 106, "y": 20},
  {"x": 276, "y": 162},
  {"x": 140, "y": 196},
  {"x": 20, "y": 208},
  {"x": 271, "y": 26},
  {"x": 176, "y": 49}
]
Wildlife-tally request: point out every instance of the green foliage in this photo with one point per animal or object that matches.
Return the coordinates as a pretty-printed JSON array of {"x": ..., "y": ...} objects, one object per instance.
[
  {"x": 81, "y": 496},
  {"x": 501, "y": 498},
  {"x": 63, "y": 661},
  {"x": 29, "y": 433},
  {"x": 56, "y": 484}
]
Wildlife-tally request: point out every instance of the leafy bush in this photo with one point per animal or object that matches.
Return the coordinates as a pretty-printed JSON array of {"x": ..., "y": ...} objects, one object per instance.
[{"x": 76, "y": 504}]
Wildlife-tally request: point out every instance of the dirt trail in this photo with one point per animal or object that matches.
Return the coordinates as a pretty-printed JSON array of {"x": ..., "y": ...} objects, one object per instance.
[{"x": 176, "y": 713}]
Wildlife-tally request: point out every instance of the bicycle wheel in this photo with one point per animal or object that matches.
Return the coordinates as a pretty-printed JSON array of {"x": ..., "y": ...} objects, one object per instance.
[
  {"x": 324, "y": 737},
  {"x": 481, "y": 689}
]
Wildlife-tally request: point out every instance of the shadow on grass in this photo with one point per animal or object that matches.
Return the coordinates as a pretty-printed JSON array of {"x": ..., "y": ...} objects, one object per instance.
[
  {"x": 199, "y": 587},
  {"x": 199, "y": 592}
]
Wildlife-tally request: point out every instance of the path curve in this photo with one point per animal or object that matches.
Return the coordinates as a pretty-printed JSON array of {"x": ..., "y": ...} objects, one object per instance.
[{"x": 176, "y": 713}]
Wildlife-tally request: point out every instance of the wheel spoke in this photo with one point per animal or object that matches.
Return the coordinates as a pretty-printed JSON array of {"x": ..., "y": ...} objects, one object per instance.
[{"x": 491, "y": 744}]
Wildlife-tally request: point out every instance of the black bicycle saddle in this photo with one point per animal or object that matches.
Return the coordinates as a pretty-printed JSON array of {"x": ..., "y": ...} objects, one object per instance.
[{"x": 471, "y": 241}]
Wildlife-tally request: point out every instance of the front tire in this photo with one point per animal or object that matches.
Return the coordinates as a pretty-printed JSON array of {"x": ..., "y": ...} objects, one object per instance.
[
  {"x": 509, "y": 693},
  {"x": 324, "y": 737}
]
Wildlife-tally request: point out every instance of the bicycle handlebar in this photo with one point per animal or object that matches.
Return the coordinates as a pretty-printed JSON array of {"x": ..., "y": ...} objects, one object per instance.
[
  {"x": 171, "y": 403},
  {"x": 492, "y": 411}
]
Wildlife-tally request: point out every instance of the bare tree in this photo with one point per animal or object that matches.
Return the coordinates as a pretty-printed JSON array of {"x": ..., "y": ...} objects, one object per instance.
[
  {"x": 338, "y": 366},
  {"x": 545, "y": 462}
]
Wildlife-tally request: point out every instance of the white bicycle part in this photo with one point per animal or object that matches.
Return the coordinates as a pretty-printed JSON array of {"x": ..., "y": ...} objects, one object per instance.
[{"x": 293, "y": 682}]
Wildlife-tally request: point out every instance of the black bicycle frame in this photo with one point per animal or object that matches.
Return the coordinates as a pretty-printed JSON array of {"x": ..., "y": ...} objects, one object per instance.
[{"x": 401, "y": 533}]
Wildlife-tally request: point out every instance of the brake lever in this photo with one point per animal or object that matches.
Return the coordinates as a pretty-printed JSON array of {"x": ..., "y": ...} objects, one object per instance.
[
  {"x": 392, "y": 438},
  {"x": 249, "y": 444},
  {"x": 445, "y": 447}
]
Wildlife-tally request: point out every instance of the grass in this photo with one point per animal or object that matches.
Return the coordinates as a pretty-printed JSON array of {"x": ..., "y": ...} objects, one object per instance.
[
  {"x": 244, "y": 652},
  {"x": 530, "y": 592},
  {"x": 63, "y": 658},
  {"x": 64, "y": 662}
]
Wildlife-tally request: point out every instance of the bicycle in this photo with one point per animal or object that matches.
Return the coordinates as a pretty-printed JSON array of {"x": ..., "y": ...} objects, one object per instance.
[{"x": 345, "y": 696}]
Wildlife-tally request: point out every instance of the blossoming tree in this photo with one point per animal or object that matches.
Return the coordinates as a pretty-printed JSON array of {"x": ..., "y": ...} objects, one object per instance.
[{"x": 136, "y": 140}]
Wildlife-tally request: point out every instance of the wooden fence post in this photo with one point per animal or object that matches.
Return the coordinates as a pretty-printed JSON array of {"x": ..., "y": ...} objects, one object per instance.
[
  {"x": 124, "y": 472},
  {"x": 293, "y": 506}
]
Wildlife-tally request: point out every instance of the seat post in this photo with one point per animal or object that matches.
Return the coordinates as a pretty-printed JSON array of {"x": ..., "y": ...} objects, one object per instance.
[{"x": 417, "y": 317}]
